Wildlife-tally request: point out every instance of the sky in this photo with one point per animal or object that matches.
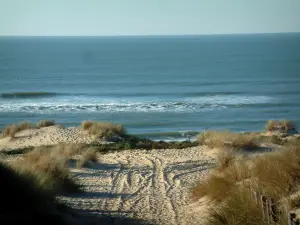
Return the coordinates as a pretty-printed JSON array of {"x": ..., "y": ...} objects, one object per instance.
[{"x": 147, "y": 17}]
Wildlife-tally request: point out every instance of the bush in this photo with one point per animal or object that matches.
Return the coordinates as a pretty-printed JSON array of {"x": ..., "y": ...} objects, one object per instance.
[
  {"x": 89, "y": 155},
  {"x": 24, "y": 203},
  {"x": 48, "y": 169},
  {"x": 86, "y": 125},
  {"x": 45, "y": 123},
  {"x": 10, "y": 131},
  {"x": 241, "y": 208},
  {"x": 103, "y": 130},
  {"x": 274, "y": 175},
  {"x": 219, "y": 139},
  {"x": 281, "y": 126}
]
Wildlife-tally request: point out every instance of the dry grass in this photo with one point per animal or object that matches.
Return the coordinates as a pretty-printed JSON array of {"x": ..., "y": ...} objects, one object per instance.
[
  {"x": 241, "y": 209},
  {"x": 49, "y": 170},
  {"x": 281, "y": 125},
  {"x": 86, "y": 125},
  {"x": 10, "y": 131},
  {"x": 216, "y": 188},
  {"x": 90, "y": 155},
  {"x": 220, "y": 139},
  {"x": 275, "y": 175},
  {"x": 103, "y": 130},
  {"x": 22, "y": 202},
  {"x": 45, "y": 123}
]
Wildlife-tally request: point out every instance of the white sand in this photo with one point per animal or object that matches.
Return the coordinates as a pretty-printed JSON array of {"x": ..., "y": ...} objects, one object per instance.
[{"x": 150, "y": 185}]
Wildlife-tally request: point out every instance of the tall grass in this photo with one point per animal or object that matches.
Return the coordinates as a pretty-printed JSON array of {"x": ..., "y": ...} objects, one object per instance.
[
  {"x": 48, "y": 167},
  {"x": 45, "y": 123},
  {"x": 241, "y": 208},
  {"x": 276, "y": 175},
  {"x": 281, "y": 125},
  {"x": 219, "y": 139},
  {"x": 90, "y": 155},
  {"x": 22, "y": 202},
  {"x": 11, "y": 130},
  {"x": 103, "y": 130}
]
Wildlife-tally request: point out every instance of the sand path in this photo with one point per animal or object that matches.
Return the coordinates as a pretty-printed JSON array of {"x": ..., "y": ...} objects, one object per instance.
[{"x": 151, "y": 185}]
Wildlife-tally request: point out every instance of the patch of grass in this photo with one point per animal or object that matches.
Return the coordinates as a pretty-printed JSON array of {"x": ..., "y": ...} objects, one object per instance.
[
  {"x": 90, "y": 155},
  {"x": 22, "y": 202},
  {"x": 48, "y": 169},
  {"x": 241, "y": 208},
  {"x": 103, "y": 130},
  {"x": 220, "y": 139},
  {"x": 225, "y": 158},
  {"x": 45, "y": 123},
  {"x": 275, "y": 175},
  {"x": 216, "y": 187},
  {"x": 11, "y": 130},
  {"x": 87, "y": 124},
  {"x": 281, "y": 125}
]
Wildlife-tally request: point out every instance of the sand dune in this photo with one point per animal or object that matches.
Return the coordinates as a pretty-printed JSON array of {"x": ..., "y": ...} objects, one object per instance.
[
  {"x": 46, "y": 136},
  {"x": 150, "y": 185},
  {"x": 154, "y": 185}
]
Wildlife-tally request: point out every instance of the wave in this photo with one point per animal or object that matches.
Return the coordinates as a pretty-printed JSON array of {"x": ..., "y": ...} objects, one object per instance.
[
  {"x": 84, "y": 104},
  {"x": 28, "y": 94}
]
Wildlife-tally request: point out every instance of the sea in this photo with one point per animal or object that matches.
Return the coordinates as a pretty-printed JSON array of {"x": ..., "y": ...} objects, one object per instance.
[{"x": 158, "y": 87}]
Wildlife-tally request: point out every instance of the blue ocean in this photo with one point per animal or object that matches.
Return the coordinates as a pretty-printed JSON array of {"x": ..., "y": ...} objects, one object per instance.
[{"x": 159, "y": 87}]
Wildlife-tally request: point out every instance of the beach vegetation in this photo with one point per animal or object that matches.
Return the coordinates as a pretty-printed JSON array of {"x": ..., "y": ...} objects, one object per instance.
[
  {"x": 45, "y": 123},
  {"x": 103, "y": 130},
  {"x": 281, "y": 126},
  {"x": 89, "y": 155},
  {"x": 49, "y": 170},
  {"x": 221, "y": 139},
  {"x": 23, "y": 202},
  {"x": 11, "y": 130},
  {"x": 235, "y": 180}
]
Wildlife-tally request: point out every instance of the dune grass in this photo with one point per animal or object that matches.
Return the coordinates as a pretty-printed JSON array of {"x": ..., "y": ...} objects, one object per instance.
[
  {"x": 22, "y": 202},
  {"x": 90, "y": 155},
  {"x": 241, "y": 208},
  {"x": 11, "y": 130},
  {"x": 221, "y": 139},
  {"x": 45, "y": 123},
  {"x": 275, "y": 175},
  {"x": 281, "y": 125},
  {"x": 48, "y": 167},
  {"x": 103, "y": 130}
]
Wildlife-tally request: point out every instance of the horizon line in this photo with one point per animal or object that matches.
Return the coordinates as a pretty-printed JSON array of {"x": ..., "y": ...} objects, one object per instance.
[{"x": 151, "y": 35}]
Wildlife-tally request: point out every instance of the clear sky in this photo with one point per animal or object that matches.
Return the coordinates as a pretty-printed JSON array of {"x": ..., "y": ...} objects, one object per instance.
[{"x": 147, "y": 17}]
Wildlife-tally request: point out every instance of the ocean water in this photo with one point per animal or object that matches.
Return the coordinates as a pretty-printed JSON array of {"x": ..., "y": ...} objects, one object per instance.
[{"x": 160, "y": 87}]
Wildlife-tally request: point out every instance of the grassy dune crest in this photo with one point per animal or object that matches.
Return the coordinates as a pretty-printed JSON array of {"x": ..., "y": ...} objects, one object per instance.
[{"x": 103, "y": 130}]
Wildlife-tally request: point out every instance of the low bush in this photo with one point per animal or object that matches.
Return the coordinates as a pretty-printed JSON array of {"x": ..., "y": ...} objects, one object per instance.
[
  {"x": 45, "y": 123},
  {"x": 22, "y": 202},
  {"x": 90, "y": 155},
  {"x": 219, "y": 139},
  {"x": 281, "y": 126},
  {"x": 103, "y": 130},
  {"x": 11, "y": 130},
  {"x": 48, "y": 169}
]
